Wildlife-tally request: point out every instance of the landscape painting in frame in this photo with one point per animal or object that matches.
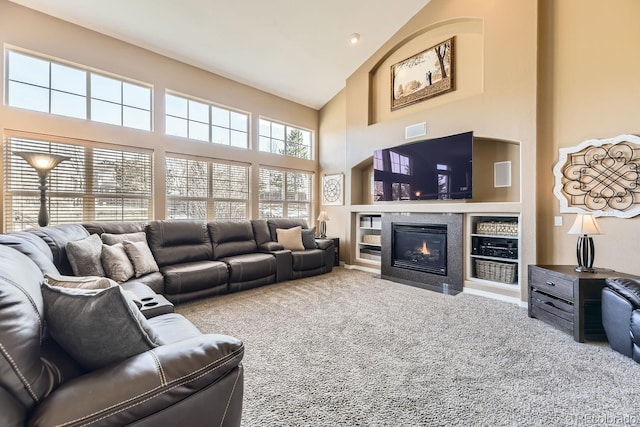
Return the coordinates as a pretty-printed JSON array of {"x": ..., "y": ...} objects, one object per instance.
[{"x": 423, "y": 76}]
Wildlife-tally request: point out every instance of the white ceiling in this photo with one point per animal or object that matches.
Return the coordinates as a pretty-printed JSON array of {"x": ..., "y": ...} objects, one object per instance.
[{"x": 296, "y": 49}]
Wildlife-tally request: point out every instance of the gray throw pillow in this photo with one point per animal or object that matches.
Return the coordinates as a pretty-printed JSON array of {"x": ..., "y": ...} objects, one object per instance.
[
  {"x": 309, "y": 238},
  {"x": 96, "y": 327},
  {"x": 141, "y": 257},
  {"x": 116, "y": 263},
  {"x": 80, "y": 282},
  {"x": 84, "y": 256},
  {"x": 112, "y": 239}
]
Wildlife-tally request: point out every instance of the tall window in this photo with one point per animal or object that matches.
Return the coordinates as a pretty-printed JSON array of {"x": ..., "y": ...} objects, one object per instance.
[
  {"x": 282, "y": 139},
  {"x": 44, "y": 85},
  {"x": 207, "y": 190},
  {"x": 193, "y": 119},
  {"x": 96, "y": 184},
  {"x": 285, "y": 194}
]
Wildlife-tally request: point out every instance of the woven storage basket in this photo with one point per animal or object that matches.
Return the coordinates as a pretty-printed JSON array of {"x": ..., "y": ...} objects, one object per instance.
[
  {"x": 371, "y": 238},
  {"x": 497, "y": 228},
  {"x": 496, "y": 271}
]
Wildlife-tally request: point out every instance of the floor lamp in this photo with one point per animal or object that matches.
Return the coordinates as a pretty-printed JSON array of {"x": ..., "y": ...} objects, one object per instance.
[
  {"x": 43, "y": 163},
  {"x": 585, "y": 226}
]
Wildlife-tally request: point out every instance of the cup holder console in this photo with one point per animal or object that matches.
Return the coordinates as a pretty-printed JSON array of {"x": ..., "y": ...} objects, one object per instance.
[
  {"x": 150, "y": 304},
  {"x": 155, "y": 306}
]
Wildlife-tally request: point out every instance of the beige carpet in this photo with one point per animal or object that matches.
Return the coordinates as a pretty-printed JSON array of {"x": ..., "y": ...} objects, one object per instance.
[{"x": 348, "y": 348}]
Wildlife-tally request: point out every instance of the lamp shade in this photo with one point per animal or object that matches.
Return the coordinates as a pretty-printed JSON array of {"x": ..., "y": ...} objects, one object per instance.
[
  {"x": 42, "y": 162},
  {"x": 323, "y": 216},
  {"x": 585, "y": 224}
]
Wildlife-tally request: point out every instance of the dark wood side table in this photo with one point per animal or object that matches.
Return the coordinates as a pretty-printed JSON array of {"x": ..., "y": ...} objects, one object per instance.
[
  {"x": 569, "y": 300},
  {"x": 336, "y": 243}
]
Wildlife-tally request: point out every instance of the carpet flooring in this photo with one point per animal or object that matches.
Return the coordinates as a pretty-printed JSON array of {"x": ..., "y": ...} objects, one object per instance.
[{"x": 350, "y": 349}]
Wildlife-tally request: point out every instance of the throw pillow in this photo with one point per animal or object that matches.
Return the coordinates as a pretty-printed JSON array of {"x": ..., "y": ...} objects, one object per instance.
[
  {"x": 309, "y": 238},
  {"x": 141, "y": 257},
  {"x": 96, "y": 327},
  {"x": 290, "y": 238},
  {"x": 116, "y": 263},
  {"x": 84, "y": 282},
  {"x": 84, "y": 256},
  {"x": 112, "y": 239}
]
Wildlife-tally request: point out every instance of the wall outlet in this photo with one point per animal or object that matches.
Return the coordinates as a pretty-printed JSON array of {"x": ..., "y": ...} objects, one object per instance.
[{"x": 557, "y": 221}]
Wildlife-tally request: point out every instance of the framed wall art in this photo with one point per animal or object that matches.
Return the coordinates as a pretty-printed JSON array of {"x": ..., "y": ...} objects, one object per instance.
[
  {"x": 424, "y": 75},
  {"x": 333, "y": 189}
]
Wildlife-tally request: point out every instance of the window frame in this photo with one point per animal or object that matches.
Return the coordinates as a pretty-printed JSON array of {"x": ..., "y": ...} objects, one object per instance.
[
  {"x": 288, "y": 128},
  {"x": 286, "y": 202}
]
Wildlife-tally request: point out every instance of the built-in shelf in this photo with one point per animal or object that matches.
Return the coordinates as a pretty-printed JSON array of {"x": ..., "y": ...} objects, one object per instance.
[{"x": 369, "y": 227}]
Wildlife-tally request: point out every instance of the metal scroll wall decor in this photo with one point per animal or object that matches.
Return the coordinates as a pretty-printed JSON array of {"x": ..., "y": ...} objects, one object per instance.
[{"x": 600, "y": 176}]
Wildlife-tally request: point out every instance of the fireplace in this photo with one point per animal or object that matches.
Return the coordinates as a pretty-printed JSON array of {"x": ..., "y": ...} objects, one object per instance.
[
  {"x": 423, "y": 250},
  {"x": 421, "y": 247}
]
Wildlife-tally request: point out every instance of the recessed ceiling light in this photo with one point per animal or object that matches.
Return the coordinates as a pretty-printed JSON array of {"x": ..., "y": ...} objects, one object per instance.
[{"x": 354, "y": 38}]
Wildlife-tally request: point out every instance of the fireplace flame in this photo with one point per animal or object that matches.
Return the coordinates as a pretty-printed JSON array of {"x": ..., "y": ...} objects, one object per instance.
[{"x": 424, "y": 250}]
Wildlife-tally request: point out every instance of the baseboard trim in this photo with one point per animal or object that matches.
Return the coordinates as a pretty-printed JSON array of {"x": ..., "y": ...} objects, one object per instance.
[
  {"x": 498, "y": 297},
  {"x": 362, "y": 268}
]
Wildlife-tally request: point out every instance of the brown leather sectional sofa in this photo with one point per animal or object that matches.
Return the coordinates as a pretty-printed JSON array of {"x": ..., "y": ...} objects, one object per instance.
[{"x": 191, "y": 378}]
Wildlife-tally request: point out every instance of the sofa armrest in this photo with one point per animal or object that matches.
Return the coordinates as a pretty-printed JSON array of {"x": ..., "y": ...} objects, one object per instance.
[
  {"x": 142, "y": 385},
  {"x": 627, "y": 288},
  {"x": 270, "y": 247},
  {"x": 324, "y": 243}
]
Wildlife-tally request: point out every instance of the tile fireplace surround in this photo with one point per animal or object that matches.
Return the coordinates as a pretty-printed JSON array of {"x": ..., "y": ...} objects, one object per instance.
[{"x": 452, "y": 283}]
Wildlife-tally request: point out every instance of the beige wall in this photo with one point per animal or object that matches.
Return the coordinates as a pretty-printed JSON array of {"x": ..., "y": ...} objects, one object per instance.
[
  {"x": 589, "y": 89},
  {"x": 27, "y": 29},
  {"x": 495, "y": 93}
]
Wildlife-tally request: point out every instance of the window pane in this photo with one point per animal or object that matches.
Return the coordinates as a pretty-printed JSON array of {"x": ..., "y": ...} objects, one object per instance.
[
  {"x": 277, "y": 146},
  {"x": 176, "y": 106},
  {"x": 239, "y": 139},
  {"x": 220, "y": 135},
  {"x": 27, "y": 69},
  {"x": 270, "y": 210},
  {"x": 239, "y": 121},
  {"x": 29, "y": 97},
  {"x": 199, "y": 112},
  {"x": 136, "y": 96},
  {"x": 136, "y": 118},
  {"x": 69, "y": 105},
  {"x": 198, "y": 131},
  {"x": 220, "y": 117},
  {"x": 265, "y": 144},
  {"x": 265, "y": 128},
  {"x": 175, "y": 126},
  {"x": 67, "y": 79},
  {"x": 106, "y": 112},
  {"x": 277, "y": 131},
  {"x": 106, "y": 88}
]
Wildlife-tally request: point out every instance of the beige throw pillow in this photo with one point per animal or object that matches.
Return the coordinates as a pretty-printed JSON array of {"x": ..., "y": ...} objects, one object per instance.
[
  {"x": 141, "y": 257},
  {"x": 290, "y": 238},
  {"x": 77, "y": 282},
  {"x": 116, "y": 263}
]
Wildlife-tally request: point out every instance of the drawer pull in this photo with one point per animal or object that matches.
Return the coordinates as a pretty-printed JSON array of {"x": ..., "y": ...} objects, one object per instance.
[{"x": 549, "y": 283}]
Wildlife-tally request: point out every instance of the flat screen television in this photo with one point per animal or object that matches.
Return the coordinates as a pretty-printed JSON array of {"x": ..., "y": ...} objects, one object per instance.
[{"x": 432, "y": 169}]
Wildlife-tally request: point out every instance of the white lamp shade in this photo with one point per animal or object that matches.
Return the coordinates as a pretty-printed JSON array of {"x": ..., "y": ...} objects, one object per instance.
[
  {"x": 585, "y": 224},
  {"x": 323, "y": 216},
  {"x": 42, "y": 162}
]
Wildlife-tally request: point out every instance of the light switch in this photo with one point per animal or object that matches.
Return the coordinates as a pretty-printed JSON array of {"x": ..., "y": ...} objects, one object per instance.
[{"x": 557, "y": 221}]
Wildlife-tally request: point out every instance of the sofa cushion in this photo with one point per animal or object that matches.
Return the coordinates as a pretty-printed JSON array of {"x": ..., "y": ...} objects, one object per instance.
[
  {"x": 309, "y": 238},
  {"x": 57, "y": 237},
  {"x": 141, "y": 257},
  {"x": 116, "y": 263},
  {"x": 84, "y": 256},
  {"x": 308, "y": 259},
  {"x": 628, "y": 288},
  {"x": 26, "y": 375},
  {"x": 33, "y": 247},
  {"x": 113, "y": 239},
  {"x": 113, "y": 227},
  {"x": 173, "y": 327},
  {"x": 229, "y": 238},
  {"x": 247, "y": 267},
  {"x": 80, "y": 282},
  {"x": 193, "y": 276},
  {"x": 96, "y": 327},
  {"x": 176, "y": 242},
  {"x": 275, "y": 223},
  {"x": 290, "y": 238}
]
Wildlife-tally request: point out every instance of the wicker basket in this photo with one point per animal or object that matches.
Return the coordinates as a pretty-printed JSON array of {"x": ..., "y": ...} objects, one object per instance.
[
  {"x": 371, "y": 239},
  {"x": 498, "y": 228},
  {"x": 496, "y": 271}
]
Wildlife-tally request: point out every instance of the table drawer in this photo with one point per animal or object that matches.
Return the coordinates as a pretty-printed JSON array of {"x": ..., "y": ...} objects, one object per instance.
[
  {"x": 550, "y": 304},
  {"x": 550, "y": 283},
  {"x": 550, "y": 318}
]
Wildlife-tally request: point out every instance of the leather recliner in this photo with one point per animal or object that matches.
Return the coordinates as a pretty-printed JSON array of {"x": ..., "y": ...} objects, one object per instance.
[{"x": 621, "y": 315}]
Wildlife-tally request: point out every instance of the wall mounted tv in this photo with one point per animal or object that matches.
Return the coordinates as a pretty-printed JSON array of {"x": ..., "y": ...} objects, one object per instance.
[{"x": 433, "y": 169}]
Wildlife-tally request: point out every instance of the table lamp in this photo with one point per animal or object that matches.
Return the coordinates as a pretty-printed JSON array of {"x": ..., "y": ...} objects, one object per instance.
[
  {"x": 323, "y": 218},
  {"x": 585, "y": 226}
]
